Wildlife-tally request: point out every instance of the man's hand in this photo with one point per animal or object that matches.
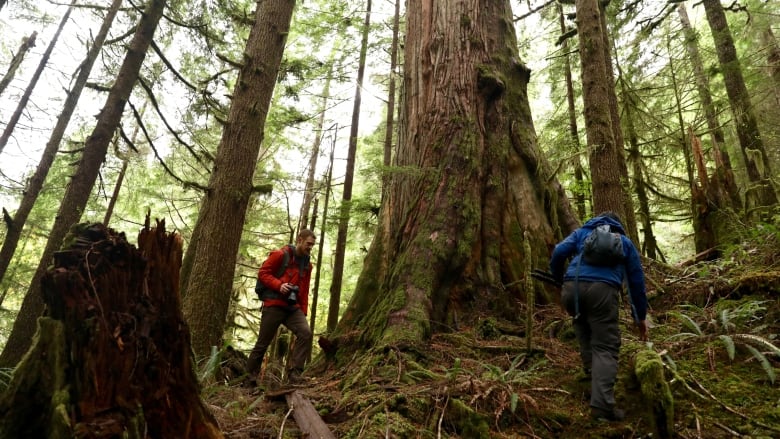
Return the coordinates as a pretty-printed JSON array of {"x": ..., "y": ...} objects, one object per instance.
[
  {"x": 643, "y": 329},
  {"x": 285, "y": 288}
]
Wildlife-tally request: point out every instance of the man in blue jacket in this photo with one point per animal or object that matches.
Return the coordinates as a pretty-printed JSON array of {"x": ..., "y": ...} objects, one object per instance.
[{"x": 591, "y": 294}]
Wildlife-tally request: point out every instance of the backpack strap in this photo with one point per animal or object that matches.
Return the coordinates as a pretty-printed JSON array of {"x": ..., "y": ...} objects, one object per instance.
[{"x": 263, "y": 291}]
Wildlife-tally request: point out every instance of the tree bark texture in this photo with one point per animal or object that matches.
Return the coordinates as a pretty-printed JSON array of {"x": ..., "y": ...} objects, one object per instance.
[
  {"x": 111, "y": 358},
  {"x": 80, "y": 186},
  {"x": 469, "y": 180},
  {"x": 603, "y": 155},
  {"x": 627, "y": 204},
  {"x": 221, "y": 218},
  {"x": 762, "y": 194}
]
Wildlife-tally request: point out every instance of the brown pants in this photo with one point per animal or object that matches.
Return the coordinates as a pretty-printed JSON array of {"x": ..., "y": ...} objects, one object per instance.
[{"x": 295, "y": 321}]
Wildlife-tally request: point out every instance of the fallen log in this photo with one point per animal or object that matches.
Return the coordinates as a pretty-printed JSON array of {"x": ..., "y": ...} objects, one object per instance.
[
  {"x": 112, "y": 354},
  {"x": 306, "y": 417}
]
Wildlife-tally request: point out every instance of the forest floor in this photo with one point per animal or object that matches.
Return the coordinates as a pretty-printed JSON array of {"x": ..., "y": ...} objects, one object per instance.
[{"x": 715, "y": 325}]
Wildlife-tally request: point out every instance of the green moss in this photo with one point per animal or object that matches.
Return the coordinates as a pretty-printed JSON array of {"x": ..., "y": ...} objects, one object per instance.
[
  {"x": 649, "y": 369},
  {"x": 466, "y": 421}
]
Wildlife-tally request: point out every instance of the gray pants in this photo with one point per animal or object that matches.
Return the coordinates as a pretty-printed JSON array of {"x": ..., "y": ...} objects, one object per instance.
[
  {"x": 295, "y": 321},
  {"x": 598, "y": 334}
]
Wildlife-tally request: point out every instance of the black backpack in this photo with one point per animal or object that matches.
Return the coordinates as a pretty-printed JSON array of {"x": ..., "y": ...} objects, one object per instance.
[
  {"x": 263, "y": 292},
  {"x": 602, "y": 247}
]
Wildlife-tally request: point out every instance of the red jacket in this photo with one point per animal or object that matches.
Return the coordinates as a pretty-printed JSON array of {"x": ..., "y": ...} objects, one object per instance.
[{"x": 292, "y": 274}]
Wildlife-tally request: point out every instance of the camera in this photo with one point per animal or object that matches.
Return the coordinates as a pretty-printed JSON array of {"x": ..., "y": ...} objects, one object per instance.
[{"x": 292, "y": 298}]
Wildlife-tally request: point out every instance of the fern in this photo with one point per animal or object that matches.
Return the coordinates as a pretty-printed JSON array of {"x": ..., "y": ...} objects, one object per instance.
[
  {"x": 729, "y": 343},
  {"x": 761, "y": 342},
  {"x": 688, "y": 322},
  {"x": 770, "y": 371}
]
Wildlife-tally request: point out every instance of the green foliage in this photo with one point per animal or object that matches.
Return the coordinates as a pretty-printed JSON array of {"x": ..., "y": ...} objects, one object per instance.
[{"x": 720, "y": 322}]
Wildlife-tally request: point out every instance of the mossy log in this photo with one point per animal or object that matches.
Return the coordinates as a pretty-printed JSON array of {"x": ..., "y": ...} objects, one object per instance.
[
  {"x": 649, "y": 370},
  {"x": 112, "y": 355}
]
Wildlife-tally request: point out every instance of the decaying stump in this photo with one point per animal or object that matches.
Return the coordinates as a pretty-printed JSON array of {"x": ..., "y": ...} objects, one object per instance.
[
  {"x": 649, "y": 370},
  {"x": 112, "y": 355}
]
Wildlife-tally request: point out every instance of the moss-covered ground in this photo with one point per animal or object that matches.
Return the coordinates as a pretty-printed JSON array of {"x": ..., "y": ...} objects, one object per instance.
[{"x": 714, "y": 326}]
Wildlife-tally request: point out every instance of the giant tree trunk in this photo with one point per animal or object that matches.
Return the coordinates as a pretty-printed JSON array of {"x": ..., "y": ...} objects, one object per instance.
[
  {"x": 603, "y": 155},
  {"x": 80, "y": 186},
  {"x": 472, "y": 182},
  {"x": 111, "y": 358},
  {"x": 220, "y": 222},
  {"x": 761, "y": 195}
]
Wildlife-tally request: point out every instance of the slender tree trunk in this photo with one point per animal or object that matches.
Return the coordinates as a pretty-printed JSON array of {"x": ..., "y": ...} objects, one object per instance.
[
  {"x": 579, "y": 194},
  {"x": 222, "y": 214},
  {"x": 724, "y": 171},
  {"x": 390, "y": 116},
  {"x": 79, "y": 189},
  {"x": 346, "y": 200},
  {"x": 27, "y": 44},
  {"x": 649, "y": 243},
  {"x": 604, "y": 157},
  {"x": 321, "y": 241},
  {"x": 308, "y": 193},
  {"x": 22, "y": 104},
  {"x": 115, "y": 194},
  {"x": 761, "y": 195},
  {"x": 451, "y": 235}
]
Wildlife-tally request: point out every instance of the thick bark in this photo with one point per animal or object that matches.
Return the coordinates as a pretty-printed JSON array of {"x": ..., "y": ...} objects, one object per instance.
[
  {"x": 27, "y": 44},
  {"x": 603, "y": 154},
  {"x": 579, "y": 194},
  {"x": 473, "y": 183},
  {"x": 112, "y": 356},
  {"x": 724, "y": 171},
  {"x": 761, "y": 195},
  {"x": 346, "y": 200},
  {"x": 221, "y": 218},
  {"x": 80, "y": 186},
  {"x": 626, "y": 210},
  {"x": 25, "y": 98}
]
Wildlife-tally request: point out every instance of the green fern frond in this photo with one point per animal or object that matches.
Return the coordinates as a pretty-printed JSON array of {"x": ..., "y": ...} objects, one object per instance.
[
  {"x": 760, "y": 341},
  {"x": 211, "y": 366},
  {"x": 681, "y": 336},
  {"x": 513, "y": 402},
  {"x": 729, "y": 343},
  {"x": 724, "y": 318},
  {"x": 770, "y": 371},
  {"x": 687, "y": 322}
]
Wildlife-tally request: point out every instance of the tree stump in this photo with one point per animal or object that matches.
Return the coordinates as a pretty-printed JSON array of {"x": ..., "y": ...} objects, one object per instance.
[{"x": 112, "y": 355}]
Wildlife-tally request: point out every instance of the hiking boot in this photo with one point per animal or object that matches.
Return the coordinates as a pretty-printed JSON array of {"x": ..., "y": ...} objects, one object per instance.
[
  {"x": 611, "y": 415},
  {"x": 295, "y": 377}
]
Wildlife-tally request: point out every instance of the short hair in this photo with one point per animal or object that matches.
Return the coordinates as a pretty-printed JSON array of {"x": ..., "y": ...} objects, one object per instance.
[{"x": 305, "y": 233}]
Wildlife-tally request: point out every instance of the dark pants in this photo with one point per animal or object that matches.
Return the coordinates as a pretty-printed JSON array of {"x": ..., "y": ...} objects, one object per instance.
[
  {"x": 295, "y": 321},
  {"x": 598, "y": 334}
]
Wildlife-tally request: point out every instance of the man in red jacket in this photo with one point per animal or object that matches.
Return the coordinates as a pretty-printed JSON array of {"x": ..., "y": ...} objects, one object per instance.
[{"x": 283, "y": 285}]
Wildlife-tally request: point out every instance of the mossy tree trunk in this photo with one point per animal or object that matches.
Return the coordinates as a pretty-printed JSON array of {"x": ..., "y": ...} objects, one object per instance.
[
  {"x": 468, "y": 182},
  {"x": 112, "y": 356}
]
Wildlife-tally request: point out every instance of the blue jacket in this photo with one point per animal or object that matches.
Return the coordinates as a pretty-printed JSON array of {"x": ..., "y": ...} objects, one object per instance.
[{"x": 571, "y": 247}]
